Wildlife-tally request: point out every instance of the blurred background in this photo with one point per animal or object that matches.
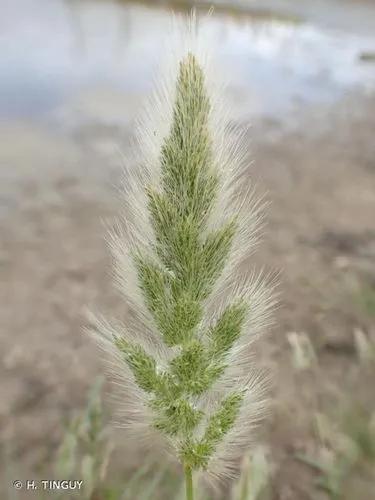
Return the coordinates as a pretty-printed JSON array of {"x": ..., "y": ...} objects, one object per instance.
[{"x": 74, "y": 74}]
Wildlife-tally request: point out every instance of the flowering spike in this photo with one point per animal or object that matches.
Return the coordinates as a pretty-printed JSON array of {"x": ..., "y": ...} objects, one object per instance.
[{"x": 184, "y": 357}]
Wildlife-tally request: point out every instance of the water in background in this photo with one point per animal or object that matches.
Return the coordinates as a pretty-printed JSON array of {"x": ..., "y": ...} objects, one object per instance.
[{"x": 74, "y": 61}]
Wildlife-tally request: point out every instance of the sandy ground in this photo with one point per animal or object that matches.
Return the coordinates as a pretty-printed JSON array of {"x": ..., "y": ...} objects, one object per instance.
[{"x": 55, "y": 191}]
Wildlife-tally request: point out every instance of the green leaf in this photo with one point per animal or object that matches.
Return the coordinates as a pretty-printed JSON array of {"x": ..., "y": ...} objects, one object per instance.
[{"x": 88, "y": 475}]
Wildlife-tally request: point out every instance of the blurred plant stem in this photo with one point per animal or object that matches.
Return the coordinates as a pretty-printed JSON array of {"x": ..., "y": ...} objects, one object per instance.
[{"x": 189, "y": 483}]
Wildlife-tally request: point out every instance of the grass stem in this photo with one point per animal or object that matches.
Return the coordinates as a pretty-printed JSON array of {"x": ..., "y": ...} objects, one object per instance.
[{"x": 189, "y": 483}]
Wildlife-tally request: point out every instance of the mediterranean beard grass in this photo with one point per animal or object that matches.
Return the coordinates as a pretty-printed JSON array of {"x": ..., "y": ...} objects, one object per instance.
[{"x": 184, "y": 357}]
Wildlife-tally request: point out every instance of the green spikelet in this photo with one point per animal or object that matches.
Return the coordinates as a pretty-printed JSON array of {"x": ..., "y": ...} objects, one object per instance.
[
  {"x": 188, "y": 260},
  {"x": 195, "y": 454}
]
